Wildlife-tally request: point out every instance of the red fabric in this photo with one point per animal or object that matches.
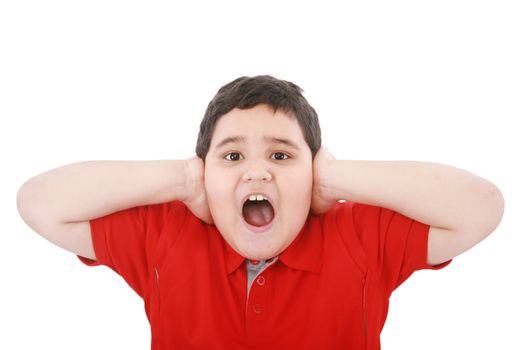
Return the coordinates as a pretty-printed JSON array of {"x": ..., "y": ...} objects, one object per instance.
[{"x": 328, "y": 290}]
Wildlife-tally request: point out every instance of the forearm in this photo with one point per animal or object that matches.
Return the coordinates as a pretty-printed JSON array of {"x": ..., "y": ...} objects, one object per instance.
[
  {"x": 87, "y": 190},
  {"x": 436, "y": 194}
]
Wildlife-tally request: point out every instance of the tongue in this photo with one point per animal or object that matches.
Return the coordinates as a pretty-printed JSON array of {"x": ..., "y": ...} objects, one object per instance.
[{"x": 258, "y": 213}]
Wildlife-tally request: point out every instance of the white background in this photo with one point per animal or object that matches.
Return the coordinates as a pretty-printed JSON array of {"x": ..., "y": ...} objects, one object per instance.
[{"x": 437, "y": 81}]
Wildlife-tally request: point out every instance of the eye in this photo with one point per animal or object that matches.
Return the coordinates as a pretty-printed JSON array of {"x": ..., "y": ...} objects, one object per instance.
[
  {"x": 281, "y": 156},
  {"x": 234, "y": 156}
]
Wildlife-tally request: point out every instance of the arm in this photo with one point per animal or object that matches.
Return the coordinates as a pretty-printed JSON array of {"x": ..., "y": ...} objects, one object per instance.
[
  {"x": 461, "y": 208},
  {"x": 58, "y": 204}
]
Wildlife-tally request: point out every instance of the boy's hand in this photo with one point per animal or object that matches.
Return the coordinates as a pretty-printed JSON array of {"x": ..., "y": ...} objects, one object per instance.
[
  {"x": 321, "y": 199},
  {"x": 196, "y": 199}
]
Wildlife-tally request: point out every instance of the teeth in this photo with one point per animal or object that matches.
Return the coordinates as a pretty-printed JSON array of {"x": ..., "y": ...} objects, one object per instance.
[{"x": 257, "y": 197}]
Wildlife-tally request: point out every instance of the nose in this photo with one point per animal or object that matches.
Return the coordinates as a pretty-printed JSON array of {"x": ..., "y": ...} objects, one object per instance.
[{"x": 256, "y": 171}]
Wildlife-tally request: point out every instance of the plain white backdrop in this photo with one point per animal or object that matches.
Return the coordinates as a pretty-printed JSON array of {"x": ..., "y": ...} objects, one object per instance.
[{"x": 399, "y": 80}]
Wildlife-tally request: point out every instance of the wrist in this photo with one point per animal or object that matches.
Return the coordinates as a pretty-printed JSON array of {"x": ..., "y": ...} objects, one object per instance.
[
  {"x": 325, "y": 180},
  {"x": 193, "y": 175},
  {"x": 324, "y": 168}
]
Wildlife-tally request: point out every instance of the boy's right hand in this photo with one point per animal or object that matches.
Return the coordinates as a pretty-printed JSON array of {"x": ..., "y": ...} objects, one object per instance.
[{"x": 196, "y": 199}]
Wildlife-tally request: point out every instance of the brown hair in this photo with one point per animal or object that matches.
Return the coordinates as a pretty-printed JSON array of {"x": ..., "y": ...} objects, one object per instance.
[{"x": 247, "y": 92}]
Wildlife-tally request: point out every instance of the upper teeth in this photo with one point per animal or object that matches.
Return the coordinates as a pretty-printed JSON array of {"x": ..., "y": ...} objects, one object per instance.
[{"x": 258, "y": 197}]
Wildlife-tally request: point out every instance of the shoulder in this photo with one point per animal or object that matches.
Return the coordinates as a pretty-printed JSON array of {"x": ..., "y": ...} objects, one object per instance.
[
  {"x": 346, "y": 214},
  {"x": 340, "y": 234}
]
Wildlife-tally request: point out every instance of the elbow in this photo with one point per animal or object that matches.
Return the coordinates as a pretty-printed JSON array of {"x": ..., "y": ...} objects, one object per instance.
[
  {"x": 498, "y": 207},
  {"x": 23, "y": 200},
  {"x": 490, "y": 218},
  {"x": 487, "y": 216},
  {"x": 27, "y": 203}
]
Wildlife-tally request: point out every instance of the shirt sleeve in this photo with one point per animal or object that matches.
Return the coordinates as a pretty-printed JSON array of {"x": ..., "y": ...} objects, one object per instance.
[
  {"x": 394, "y": 245},
  {"x": 126, "y": 241}
]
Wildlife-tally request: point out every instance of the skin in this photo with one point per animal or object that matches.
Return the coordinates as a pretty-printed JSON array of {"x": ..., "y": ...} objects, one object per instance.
[{"x": 237, "y": 169}]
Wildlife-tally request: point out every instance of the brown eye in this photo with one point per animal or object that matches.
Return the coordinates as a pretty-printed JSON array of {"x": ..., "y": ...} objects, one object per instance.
[
  {"x": 234, "y": 156},
  {"x": 281, "y": 156}
]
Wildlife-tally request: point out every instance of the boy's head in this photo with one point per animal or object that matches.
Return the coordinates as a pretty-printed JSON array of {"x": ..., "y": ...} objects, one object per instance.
[{"x": 259, "y": 135}]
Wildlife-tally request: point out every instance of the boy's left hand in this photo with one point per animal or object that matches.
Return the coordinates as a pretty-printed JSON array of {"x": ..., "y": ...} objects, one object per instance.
[{"x": 321, "y": 199}]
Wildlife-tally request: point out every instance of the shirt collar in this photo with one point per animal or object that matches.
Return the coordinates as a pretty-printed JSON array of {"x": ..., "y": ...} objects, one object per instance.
[
  {"x": 232, "y": 259},
  {"x": 304, "y": 253}
]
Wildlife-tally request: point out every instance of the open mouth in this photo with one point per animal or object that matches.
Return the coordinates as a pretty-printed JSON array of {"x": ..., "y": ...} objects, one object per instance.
[{"x": 258, "y": 212}]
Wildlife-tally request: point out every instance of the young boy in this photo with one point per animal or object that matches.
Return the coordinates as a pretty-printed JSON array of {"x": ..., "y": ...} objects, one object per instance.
[{"x": 248, "y": 245}]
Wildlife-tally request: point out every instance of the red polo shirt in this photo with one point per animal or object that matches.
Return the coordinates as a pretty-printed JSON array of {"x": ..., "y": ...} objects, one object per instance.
[{"x": 328, "y": 290}]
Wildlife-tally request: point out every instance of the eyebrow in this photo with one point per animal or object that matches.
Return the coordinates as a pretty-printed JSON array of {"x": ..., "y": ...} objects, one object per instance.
[{"x": 267, "y": 139}]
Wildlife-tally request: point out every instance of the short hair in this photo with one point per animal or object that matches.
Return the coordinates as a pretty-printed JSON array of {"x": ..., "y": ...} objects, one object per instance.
[{"x": 247, "y": 92}]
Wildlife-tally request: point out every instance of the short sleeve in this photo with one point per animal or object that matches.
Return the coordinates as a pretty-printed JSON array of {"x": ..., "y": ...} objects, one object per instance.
[
  {"x": 394, "y": 245},
  {"x": 126, "y": 241}
]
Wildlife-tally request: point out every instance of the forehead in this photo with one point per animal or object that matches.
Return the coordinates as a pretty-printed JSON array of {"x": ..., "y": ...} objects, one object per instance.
[{"x": 258, "y": 124}]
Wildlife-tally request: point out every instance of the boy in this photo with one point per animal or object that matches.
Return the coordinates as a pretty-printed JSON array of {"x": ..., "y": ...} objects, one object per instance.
[{"x": 247, "y": 245}]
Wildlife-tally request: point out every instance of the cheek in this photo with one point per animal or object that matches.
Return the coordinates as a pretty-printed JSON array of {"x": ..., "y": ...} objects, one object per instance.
[
  {"x": 219, "y": 189},
  {"x": 302, "y": 179},
  {"x": 298, "y": 190}
]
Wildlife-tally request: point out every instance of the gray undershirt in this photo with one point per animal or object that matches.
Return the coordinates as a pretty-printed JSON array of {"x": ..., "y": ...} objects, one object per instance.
[{"x": 255, "y": 270}]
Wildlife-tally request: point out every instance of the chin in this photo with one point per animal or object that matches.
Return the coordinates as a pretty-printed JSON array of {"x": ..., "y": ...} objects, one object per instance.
[
  {"x": 264, "y": 245},
  {"x": 259, "y": 255},
  {"x": 257, "y": 250},
  {"x": 263, "y": 250}
]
